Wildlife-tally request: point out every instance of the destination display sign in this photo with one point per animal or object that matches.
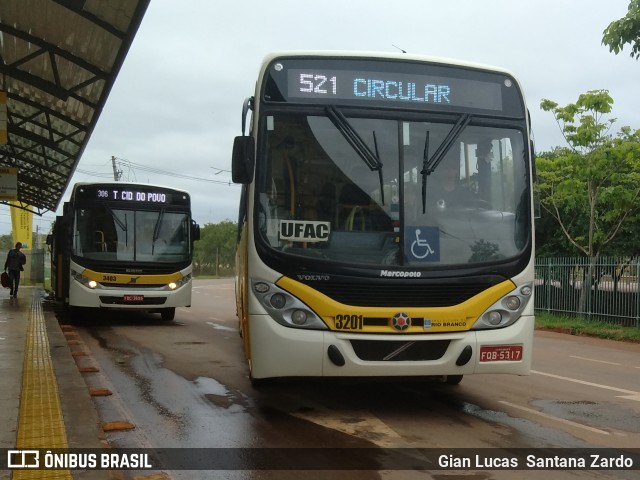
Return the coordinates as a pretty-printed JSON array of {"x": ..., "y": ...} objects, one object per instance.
[
  {"x": 393, "y": 88},
  {"x": 122, "y": 193},
  {"x": 391, "y": 83}
]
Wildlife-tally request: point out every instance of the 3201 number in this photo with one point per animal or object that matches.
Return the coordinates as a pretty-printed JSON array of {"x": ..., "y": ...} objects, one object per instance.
[{"x": 349, "y": 322}]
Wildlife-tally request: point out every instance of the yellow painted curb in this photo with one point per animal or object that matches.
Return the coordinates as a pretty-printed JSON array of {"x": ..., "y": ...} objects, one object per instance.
[{"x": 40, "y": 421}]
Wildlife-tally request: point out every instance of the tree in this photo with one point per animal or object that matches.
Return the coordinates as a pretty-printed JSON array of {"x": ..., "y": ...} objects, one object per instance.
[
  {"x": 591, "y": 188},
  {"x": 214, "y": 253},
  {"x": 6, "y": 243},
  {"x": 550, "y": 240},
  {"x": 625, "y": 31}
]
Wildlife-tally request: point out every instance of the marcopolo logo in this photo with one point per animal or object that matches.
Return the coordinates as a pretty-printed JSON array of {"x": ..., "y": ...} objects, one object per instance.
[{"x": 399, "y": 274}]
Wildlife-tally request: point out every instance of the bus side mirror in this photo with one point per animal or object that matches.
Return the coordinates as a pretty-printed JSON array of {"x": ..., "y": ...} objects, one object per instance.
[
  {"x": 243, "y": 159},
  {"x": 195, "y": 231},
  {"x": 533, "y": 163},
  {"x": 49, "y": 240}
]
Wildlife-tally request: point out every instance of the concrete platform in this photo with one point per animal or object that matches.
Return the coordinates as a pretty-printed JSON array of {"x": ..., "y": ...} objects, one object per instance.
[{"x": 44, "y": 399}]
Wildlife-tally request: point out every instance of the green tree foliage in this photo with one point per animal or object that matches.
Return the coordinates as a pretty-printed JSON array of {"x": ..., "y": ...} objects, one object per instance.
[
  {"x": 214, "y": 253},
  {"x": 550, "y": 241},
  {"x": 625, "y": 31},
  {"x": 592, "y": 187},
  {"x": 6, "y": 243}
]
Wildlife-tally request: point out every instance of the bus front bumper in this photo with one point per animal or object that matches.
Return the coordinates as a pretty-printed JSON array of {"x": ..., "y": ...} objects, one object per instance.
[
  {"x": 130, "y": 299},
  {"x": 278, "y": 351}
]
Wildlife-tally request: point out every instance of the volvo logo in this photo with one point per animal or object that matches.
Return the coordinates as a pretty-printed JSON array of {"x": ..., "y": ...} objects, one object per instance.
[
  {"x": 313, "y": 278},
  {"x": 401, "y": 321}
]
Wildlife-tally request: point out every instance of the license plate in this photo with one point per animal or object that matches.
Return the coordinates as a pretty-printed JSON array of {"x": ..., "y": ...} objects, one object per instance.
[
  {"x": 501, "y": 353},
  {"x": 134, "y": 298}
]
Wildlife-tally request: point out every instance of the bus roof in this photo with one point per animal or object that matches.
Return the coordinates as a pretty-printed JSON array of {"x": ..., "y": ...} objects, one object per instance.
[
  {"x": 383, "y": 56},
  {"x": 124, "y": 184},
  {"x": 138, "y": 184}
]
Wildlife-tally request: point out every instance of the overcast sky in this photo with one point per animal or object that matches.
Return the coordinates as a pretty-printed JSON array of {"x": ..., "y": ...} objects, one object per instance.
[{"x": 176, "y": 104}]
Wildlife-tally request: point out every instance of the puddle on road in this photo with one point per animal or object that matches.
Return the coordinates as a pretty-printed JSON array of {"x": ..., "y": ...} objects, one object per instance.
[
  {"x": 180, "y": 412},
  {"x": 535, "y": 434},
  {"x": 218, "y": 394},
  {"x": 604, "y": 415}
]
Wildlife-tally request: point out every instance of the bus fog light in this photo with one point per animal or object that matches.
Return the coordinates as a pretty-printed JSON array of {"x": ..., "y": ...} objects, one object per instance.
[
  {"x": 278, "y": 301},
  {"x": 526, "y": 290},
  {"x": 512, "y": 303},
  {"x": 494, "y": 318},
  {"x": 261, "y": 287},
  {"x": 299, "y": 317}
]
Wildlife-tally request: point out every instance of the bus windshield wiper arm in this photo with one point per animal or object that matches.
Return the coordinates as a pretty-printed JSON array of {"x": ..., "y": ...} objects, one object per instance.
[
  {"x": 123, "y": 226},
  {"x": 156, "y": 230},
  {"x": 425, "y": 171},
  {"x": 430, "y": 164},
  {"x": 371, "y": 159}
]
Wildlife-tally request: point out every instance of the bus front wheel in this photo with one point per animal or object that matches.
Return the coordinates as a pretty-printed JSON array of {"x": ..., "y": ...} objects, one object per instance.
[{"x": 168, "y": 314}]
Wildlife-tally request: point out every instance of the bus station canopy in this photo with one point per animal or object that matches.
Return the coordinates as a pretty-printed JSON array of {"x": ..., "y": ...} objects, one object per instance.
[{"x": 58, "y": 62}]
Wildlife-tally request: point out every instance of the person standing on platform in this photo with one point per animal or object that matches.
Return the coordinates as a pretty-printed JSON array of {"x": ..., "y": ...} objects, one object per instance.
[{"x": 13, "y": 265}]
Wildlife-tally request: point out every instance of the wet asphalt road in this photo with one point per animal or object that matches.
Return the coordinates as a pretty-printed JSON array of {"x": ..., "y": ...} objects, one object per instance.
[{"x": 184, "y": 384}]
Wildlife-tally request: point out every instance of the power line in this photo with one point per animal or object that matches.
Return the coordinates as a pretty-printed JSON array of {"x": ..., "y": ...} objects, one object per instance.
[
  {"x": 94, "y": 174},
  {"x": 172, "y": 174}
]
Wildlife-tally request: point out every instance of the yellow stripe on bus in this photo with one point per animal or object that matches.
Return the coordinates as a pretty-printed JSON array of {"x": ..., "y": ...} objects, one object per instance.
[
  {"x": 127, "y": 279},
  {"x": 443, "y": 319}
]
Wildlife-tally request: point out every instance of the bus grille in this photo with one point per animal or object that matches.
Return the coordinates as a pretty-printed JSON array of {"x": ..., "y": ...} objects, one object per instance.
[
  {"x": 400, "y": 294},
  {"x": 399, "y": 351}
]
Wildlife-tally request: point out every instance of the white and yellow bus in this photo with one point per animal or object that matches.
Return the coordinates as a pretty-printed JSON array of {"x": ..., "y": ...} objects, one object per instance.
[
  {"x": 385, "y": 222},
  {"x": 124, "y": 246}
]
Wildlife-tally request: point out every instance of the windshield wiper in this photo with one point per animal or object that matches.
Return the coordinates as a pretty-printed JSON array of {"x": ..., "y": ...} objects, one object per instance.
[
  {"x": 425, "y": 171},
  {"x": 156, "y": 231},
  {"x": 123, "y": 226},
  {"x": 430, "y": 164},
  {"x": 371, "y": 159}
]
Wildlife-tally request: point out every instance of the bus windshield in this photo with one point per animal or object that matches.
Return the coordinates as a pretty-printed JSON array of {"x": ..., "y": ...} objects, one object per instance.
[
  {"x": 103, "y": 233},
  {"x": 365, "y": 189}
]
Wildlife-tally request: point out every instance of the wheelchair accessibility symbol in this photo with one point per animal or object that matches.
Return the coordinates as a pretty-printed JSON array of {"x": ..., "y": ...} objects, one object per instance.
[{"x": 422, "y": 244}]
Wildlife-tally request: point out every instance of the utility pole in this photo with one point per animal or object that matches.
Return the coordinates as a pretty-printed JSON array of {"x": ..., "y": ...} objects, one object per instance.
[{"x": 116, "y": 173}]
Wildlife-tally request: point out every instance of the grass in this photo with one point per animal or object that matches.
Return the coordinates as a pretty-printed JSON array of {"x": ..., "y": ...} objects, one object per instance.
[{"x": 590, "y": 328}]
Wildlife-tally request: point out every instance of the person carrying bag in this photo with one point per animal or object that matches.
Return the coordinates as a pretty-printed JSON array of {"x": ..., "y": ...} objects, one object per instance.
[{"x": 13, "y": 265}]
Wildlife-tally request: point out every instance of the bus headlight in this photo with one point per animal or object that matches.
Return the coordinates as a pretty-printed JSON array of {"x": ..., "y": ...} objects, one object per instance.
[
  {"x": 175, "y": 285},
  {"x": 86, "y": 281},
  {"x": 506, "y": 310},
  {"x": 512, "y": 302},
  {"x": 299, "y": 317},
  {"x": 278, "y": 301},
  {"x": 494, "y": 317},
  {"x": 284, "y": 308}
]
